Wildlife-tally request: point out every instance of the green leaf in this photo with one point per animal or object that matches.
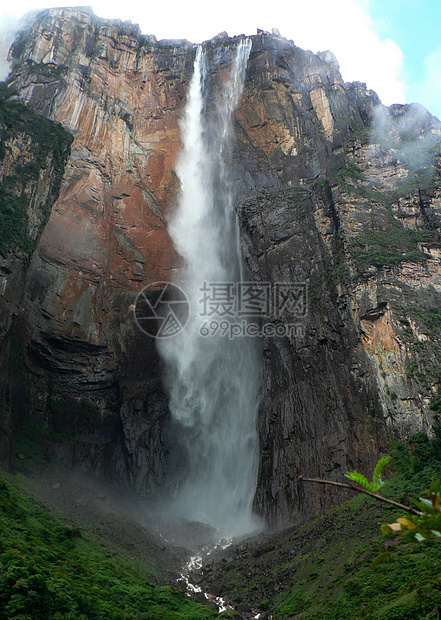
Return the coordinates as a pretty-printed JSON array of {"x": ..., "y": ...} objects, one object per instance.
[
  {"x": 386, "y": 529},
  {"x": 426, "y": 503},
  {"x": 360, "y": 479},
  {"x": 419, "y": 537},
  {"x": 377, "y": 483}
]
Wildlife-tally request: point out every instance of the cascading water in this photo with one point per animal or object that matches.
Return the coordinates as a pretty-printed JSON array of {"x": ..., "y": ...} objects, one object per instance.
[{"x": 213, "y": 380}]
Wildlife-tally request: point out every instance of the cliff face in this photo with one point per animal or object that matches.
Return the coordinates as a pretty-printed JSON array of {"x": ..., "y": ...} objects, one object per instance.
[
  {"x": 357, "y": 213},
  {"x": 332, "y": 188},
  {"x": 95, "y": 384},
  {"x": 33, "y": 153}
]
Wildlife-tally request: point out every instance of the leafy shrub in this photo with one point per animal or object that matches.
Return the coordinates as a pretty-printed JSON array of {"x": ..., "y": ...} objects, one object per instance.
[
  {"x": 49, "y": 570},
  {"x": 387, "y": 247}
]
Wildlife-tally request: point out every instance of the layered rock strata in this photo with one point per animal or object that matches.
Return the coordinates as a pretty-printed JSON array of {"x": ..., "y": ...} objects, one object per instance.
[{"x": 333, "y": 190}]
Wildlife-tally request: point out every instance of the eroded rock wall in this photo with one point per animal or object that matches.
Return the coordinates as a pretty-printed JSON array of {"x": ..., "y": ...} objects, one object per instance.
[
  {"x": 329, "y": 183},
  {"x": 33, "y": 155},
  {"x": 357, "y": 213},
  {"x": 96, "y": 389}
]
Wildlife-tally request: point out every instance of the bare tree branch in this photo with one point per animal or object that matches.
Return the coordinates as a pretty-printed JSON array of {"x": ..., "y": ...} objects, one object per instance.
[{"x": 365, "y": 491}]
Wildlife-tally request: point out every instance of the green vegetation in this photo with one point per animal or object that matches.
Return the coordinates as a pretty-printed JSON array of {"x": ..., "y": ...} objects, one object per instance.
[
  {"x": 330, "y": 588},
  {"x": 429, "y": 317},
  {"x": 48, "y": 70},
  {"x": 377, "y": 483},
  {"x": 349, "y": 172},
  {"x": 423, "y": 365},
  {"x": 419, "y": 183},
  {"x": 419, "y": 524},
  {"x": 45, "y": 139},
  {"x": 50, "y": 570},
  {"x": 362, "y": 134},
  {"x": 435, "y": 403},
  {"x": 408, "y": 585},
  {"x": 323, "y": 569},
  {"x": 419, "y": 462},
  {"x": 387, "y": 247},
  {"x": 297, "y": 195},
  {"x": 388, "y": 242},
  {"x": 425, "y": 525}
]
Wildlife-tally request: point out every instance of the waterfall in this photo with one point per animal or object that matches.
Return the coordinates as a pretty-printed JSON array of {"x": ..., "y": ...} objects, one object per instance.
[{"x": 212, "y": 379}]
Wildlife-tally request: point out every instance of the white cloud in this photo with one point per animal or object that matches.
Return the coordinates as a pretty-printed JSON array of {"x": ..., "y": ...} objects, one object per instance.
[
  {"x": 428, "y": 90},
  {"x": 8, "y": 27},
  {"x": 343, "y": 26}
]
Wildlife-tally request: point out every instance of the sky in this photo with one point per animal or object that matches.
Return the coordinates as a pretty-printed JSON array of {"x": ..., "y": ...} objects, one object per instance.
[{"x": 392, "y": 45}]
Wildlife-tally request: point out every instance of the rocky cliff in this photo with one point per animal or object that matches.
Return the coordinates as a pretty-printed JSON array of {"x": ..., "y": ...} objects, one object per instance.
[
  {"x": 95, "y": 387},
  {"x": 333, "y": 188},
  {"x": 351, "y": 199},
  {"x": 33, "y": 153}
]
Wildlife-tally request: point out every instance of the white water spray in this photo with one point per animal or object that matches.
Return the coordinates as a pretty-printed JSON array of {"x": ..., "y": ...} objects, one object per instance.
[{"x": 212, "y": 381}]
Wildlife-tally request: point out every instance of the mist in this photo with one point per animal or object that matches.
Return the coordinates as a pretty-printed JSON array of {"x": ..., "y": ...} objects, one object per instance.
[
  {"x": 8, "y": 28},
  {"x": 411, "y": 130}
]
